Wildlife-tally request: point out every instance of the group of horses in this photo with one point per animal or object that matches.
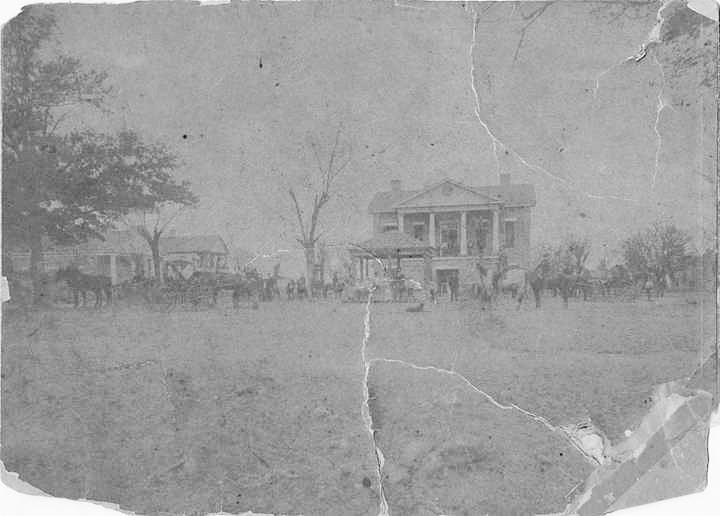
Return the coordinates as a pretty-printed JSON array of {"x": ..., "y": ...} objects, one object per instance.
[
  {"x": 198, "y": 288},
  {"x": 81, "y": 283},
  {"x": 489, "y": 285},
  {"x": 521, "y": 283}
]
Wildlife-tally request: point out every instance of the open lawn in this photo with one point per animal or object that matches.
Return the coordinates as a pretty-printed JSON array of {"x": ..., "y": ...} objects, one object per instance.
[{"x": 215, "y": 410}]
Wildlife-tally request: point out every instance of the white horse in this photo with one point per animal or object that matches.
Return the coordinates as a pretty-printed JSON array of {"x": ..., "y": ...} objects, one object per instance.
[
  {"x": 482, "y": 286},
  {"x": 515, "y": 281}
]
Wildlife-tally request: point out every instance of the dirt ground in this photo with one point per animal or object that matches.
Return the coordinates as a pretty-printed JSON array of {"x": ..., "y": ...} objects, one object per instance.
[{"x": 214, "y": 410}]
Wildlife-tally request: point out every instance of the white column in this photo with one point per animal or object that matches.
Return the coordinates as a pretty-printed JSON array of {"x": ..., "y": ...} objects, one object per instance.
[
  {"x": 495, "y": 232},
  {"x": 113, "y": 270},
  {"x": 463, "y": 234},
  {"x": 401, "y": 222},
  {"x": 431, "y": 230}
]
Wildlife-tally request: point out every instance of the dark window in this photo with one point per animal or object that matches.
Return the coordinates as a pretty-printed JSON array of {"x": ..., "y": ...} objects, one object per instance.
[
  {"x": 389, "y": 227},
  {"x": 509, "y": 233},
  {"x": 419, "y": 231}
]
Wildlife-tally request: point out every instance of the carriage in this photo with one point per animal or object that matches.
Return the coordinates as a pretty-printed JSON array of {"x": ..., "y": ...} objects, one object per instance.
[{"x": 194, "y": 293}]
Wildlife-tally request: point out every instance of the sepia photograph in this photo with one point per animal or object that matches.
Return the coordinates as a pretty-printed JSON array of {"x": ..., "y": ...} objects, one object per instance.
[{"x": 364, "y": 258}]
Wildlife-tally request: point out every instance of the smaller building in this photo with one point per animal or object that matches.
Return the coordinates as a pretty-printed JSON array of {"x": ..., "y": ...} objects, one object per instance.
[
  {"x": 123, "y": 255},
  {"x": 183, "y": 255},
  {"x": 699, "y": 273},
  {"x": 120, "y": 256}
]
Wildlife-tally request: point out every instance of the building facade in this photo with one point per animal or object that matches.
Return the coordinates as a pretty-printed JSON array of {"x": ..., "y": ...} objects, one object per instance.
[
  {"x": 184, "y": 255},
  {"x": 119, "y": 256},
  {"x": 123, "y": 255},
  {"x": 446, "y": 229}
]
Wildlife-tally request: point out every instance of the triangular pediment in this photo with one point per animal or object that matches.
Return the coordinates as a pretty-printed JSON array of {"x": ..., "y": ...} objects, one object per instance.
[{"x": 446, "y": 193}]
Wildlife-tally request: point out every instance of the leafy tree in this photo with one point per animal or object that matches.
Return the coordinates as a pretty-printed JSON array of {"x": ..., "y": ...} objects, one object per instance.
[
  {"x": 660, "y": 250},
  {"x": 66, "y": 186}
]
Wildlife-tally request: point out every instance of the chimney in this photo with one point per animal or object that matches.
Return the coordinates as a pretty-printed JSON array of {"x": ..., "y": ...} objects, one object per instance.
[
  {"x": 395, "y": 185},
  {"x": 504, "y": 179}
]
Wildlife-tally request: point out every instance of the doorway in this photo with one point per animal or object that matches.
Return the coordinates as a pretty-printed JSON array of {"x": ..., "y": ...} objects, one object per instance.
[{"x": 444, "y": 277}]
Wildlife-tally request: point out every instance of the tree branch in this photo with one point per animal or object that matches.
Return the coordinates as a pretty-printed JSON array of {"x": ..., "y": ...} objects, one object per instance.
[
  {"x": 172, "y": 217},
  {"x": 530, "y": 18},
  {"x": 298, "y": 211}
]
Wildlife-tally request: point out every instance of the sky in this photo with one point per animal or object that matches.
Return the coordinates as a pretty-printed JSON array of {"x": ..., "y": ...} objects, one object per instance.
[{"x": 242, "y": 92}]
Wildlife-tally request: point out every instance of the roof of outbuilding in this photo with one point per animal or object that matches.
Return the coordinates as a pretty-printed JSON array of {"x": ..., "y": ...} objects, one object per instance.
[
  {"x": 390, "y": 242},
  {"x": 130, "y": 242},
  {"x": 193, "y": 244}
]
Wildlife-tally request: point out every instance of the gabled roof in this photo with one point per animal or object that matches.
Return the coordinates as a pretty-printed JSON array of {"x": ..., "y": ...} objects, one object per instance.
[
  {"x": 114, "y": 242},
  {"x": 443, "y": 188},
  {"x": 193, "y": 244},
  {"x": 389, "y": 242},
  {"x": 514, "y": 194},
  {"x": 385, "y": 201},
  {"x": 121, "y": 242}
]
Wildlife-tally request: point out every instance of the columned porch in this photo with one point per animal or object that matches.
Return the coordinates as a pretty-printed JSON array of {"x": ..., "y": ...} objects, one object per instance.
[
  {"x": 454, "y": 232},
  {"x": 390, "y": 254}
]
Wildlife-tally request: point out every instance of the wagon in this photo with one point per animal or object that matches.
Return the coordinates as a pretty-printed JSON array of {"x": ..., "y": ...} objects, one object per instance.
[{"x": 181, "y": 294}]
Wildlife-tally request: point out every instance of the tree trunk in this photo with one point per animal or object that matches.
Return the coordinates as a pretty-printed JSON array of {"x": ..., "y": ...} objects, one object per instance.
[
  {"x": 36, "y": 258},
  {"x": 310, "y": 263},
  {"x": 155, "y": 249}
]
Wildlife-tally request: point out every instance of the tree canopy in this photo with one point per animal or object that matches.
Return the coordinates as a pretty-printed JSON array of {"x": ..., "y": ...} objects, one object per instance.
[
  {"x": 68, "y": 185},
  {"x": 662, "y": 249}
]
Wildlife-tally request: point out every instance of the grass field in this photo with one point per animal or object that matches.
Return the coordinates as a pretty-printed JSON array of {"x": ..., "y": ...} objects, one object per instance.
[{"x": 216, "y": 410}]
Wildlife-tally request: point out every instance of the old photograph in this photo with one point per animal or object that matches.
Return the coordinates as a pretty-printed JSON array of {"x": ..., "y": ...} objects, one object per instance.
[{"x": 393, "y": 258}]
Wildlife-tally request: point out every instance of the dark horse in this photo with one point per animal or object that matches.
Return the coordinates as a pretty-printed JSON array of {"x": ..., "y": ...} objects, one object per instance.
[
  {"x": 81, "y": 283},
  {"x": 248, "y": 285},
  {"x": 520, "y": 283}
]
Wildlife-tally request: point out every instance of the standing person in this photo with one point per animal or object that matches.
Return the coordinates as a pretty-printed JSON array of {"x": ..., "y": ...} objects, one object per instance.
[
  {"x": 431, "y": 290},
  {"x": 453, "y": 285},
  {"x": 301, "y": 288}
]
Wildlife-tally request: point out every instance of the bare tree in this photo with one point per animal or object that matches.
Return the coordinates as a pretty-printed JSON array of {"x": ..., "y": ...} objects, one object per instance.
[
  {"x": 579, "y": 250},
  {"x": 327, "y": 173},
  {"x": 528, "y": 19},
  {"x": 153, "y": 223}
]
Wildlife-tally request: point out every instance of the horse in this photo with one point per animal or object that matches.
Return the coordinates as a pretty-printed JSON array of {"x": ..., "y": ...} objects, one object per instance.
[
  {"x": 81, "y": 283},
  {"x": 337, "y": 286},
  {"x": 301, "y": 290},
  {"x": 519, "y": 282},
  {"x": 270, "y": 288},
  {"x": 290, "y": 289},
  {"x": 483, "y": 289},
  {"x": 248, "y": 286}
]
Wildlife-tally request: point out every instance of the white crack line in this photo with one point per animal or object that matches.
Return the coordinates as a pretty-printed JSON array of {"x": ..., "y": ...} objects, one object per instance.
[
  {"x": 654, "y": 34},
  {"x": 511, "y": 406},
  {"x": 408, "y": 6},
  {"x": 471, "y": 51},
  {"x": 603, "y": 74},
  {"x": 660, "y": 106},
  {"x": 496, "y": 142},
  {"x": 652, "y": 38},
  {"x": 367, "y": 417}
]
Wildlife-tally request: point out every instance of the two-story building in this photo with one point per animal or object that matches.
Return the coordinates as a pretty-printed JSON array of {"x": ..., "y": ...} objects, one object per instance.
[{"x": 446, "y": 229}]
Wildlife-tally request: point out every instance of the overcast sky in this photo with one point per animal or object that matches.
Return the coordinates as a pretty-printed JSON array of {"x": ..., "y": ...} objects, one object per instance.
[{"x": 415, "y": 100}]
